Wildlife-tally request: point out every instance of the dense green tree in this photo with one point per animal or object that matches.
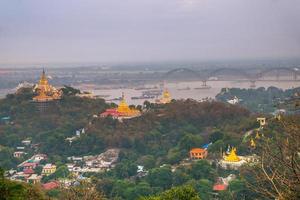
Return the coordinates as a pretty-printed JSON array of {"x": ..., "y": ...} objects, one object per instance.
[
  {"x": 160, "y": 177},
  {"x": 190, "y": 141},
  {"x": 178, "y": 193},
  {"x": 202, "y": 170}
]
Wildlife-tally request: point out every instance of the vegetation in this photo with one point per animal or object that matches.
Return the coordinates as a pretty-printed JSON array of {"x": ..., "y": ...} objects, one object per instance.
[
  {"x": 10, "y": 190},
  {"x": 159, "y": 140},
  {"x": 260, "y": 99},
  {"x": 277, "y": 174}
]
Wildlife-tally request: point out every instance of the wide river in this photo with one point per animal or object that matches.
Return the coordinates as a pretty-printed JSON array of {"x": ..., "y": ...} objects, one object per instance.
[{"x": 179, "y": 90}]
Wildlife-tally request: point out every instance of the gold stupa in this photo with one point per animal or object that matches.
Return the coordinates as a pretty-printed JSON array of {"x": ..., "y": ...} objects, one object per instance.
[
  {"x": 124, "y": 109},
  {"x": 45, "y": 92},
  {"x": 232, "y": 157},
  {"x": 166, "y": 97}
]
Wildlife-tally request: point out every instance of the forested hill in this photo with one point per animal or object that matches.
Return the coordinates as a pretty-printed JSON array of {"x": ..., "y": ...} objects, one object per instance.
[
  {"x": 263, "y": 100},
  {"x": 174, "y": 127}
]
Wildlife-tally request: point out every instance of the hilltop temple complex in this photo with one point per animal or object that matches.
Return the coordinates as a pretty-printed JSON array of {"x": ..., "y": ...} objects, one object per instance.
[
  {"x": 123, "y": 111},
  {"x": 166, "y": 98},
  {"x": 45, "y": 91},
  {"x": 232, "y": 160}
]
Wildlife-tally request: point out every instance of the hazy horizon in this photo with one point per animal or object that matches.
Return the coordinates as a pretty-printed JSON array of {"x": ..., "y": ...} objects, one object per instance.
[{"x": 147, "y": 31}]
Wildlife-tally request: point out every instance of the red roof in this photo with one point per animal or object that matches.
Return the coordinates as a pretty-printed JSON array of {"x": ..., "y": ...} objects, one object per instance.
[
  {"x": 29, "y": 164},
  {"x": 51, "y": 185},
  {"x": 219, "y": 187},
  {"x": 28, "y": 171},
  {"x": 197, "y": 150},
  {"x": 111, "y": 112}
]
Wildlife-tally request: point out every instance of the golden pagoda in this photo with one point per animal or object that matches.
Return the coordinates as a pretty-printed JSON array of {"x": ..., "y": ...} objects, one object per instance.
[
  {"x": 252, "y": 143},
  {"x": 124, "y": 109},
  {"x": 45, "y": 92},
  {"x": 166, "y": 97},
  {"x": 257, "y": 135},
  {"x": 232, "y": 157}
]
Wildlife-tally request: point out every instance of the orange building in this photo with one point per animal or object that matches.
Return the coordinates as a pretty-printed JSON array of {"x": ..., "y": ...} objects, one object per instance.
[{"x": 198, "y": 153}]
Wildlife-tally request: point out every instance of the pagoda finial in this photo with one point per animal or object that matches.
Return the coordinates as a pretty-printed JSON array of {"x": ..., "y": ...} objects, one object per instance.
[{"x": 123, "y": 96}]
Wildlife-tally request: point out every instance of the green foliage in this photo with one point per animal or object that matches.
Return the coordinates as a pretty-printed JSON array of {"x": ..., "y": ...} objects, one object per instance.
[
  {"x": 70, "y": 91},
  {"x": 10, "y": 190},
  {"x": 160, "y": 177},
  {"x": 178, "y": 193},
  {"x": 190, "y": 141},
  {"x": 202, "y": 170},
  {"x": 258, "y": 100}
]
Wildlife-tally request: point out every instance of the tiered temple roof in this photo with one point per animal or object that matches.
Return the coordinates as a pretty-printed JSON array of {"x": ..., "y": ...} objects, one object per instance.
[
  {"x": 45, "y": 91},
  {"x": 166, "y": 97},
  {"x": 122, "y": 111}
]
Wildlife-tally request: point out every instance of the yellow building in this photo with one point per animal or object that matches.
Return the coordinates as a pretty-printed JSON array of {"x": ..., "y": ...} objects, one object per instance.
[
  {"x": 252, "y": 143},
  {"x": 232, "y": 157},
  {"x": 166, "y": 97},
  {"x": 122, "y": 111},
  {"x": 232, "y": 160},
  {"x": 262, "y": 121},
  {"x": 45, "y": 91},
  {"x": 48, "y": 169}
]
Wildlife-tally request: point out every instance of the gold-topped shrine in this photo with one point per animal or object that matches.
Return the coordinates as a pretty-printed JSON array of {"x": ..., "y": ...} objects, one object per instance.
[
  {"x": 166, "y": 97},
  {"x": 125, "y": 110},
  {"x": 232, "y": 157},
  {"x": 122, "y": 111},
  {"x": 45, "y": 91}
]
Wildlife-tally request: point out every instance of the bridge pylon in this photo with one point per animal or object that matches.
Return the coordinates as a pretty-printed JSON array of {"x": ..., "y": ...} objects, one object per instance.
[
  {"x": 295, "y": 75},
  {"x": 252, "y": 84}
]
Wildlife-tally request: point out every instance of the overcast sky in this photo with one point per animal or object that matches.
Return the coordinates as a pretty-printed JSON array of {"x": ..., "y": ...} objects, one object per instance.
[{"x": 33, "y": 31}]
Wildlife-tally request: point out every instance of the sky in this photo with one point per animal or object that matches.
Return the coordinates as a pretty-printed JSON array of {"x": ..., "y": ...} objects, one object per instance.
[{"x": 69, "y": 31}]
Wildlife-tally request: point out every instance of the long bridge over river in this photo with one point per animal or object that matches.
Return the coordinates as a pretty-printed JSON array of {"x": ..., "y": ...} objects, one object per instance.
[{"x": 235, "y": 74}]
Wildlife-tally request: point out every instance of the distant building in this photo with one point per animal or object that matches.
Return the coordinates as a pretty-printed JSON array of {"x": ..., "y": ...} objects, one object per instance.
[
  {"x": 232, "y": 160},
  {"x": 48, "y": 169},
  {"x": 50, "y": 185},
  {"x": 29, "y": 165},
  {"x": 26, "y": 142},
  {"x": 122, "y": 111},
  {"x": 234, "y": 100},
  {"x": 34, "y": 179},
  {"x": 88, "y": 95},
  {"x": 198, "y": 153},
  {"x": 262, "y": 121},
  {"x": 166, "y": 98},
  {"x": 18, "y": 154},
  {"x": 45, "y": 91}
]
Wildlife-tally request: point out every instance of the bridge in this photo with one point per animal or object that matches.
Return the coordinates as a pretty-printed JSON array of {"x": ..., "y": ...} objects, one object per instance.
[{"x": 236, "y": 74}]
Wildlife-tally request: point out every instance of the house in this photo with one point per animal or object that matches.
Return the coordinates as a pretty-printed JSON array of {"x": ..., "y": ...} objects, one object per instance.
[
  {"x": 261, "y": 120},
  {"x": 50, "y": 185},
  {"x": 198, "y": 153},
  {"x": 26, "y": 142},
  {"x": 48, "y": 169},
  {"x": 34, "y": 178},
  {"x": 39, "y": 157},
  {"x": 28, "y": 171},
  {"x": 18, "y": 154},
  {"x": 220, "y": 187},
  {"x": 29, "y": 165},
  {"x": 234, "y": 100}
]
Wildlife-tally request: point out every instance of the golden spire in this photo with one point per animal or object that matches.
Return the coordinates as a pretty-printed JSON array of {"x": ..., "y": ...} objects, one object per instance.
[
  {"x": 257, "y": 135},
  {"x": 232, "y": 157},
  {"x": 123, "y": 107},
  {"x": 252, "y": 143},
  {"x": 43, "y": 80}
]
